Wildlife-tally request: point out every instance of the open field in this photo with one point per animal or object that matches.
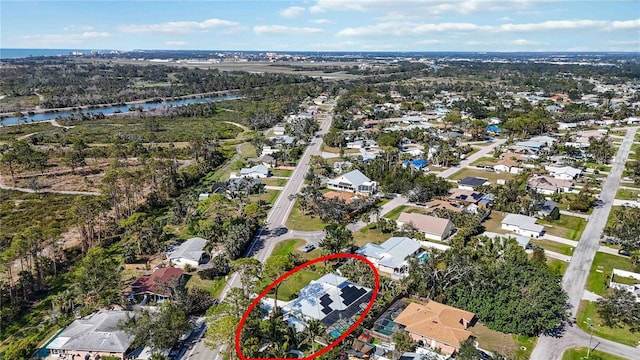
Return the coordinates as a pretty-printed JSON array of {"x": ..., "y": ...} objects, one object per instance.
[
  {"x": 15, "y": 103},
  {"x": 491, "y": 176},
  {"x": 505, "y": 344},
  {"x": 298, "y": 221},
  {"x": 281, "y": 172},
  {"x": 601, "y": 269},
  {"x": 212, "y": 286},
  {"x": 622, "y": 335},
  {"x": 369, "y": 234},
  {"x": 15, "y": 132},
  {"x": 568, "y": 227}
]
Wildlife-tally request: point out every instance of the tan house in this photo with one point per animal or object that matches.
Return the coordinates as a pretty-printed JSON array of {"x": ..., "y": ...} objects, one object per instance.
[
  {"x": 433, "y": 228},
  {"x": 508, "y": 166},
  {"x": 548, "y": 185},
  {"x": 437, "y": 325}
]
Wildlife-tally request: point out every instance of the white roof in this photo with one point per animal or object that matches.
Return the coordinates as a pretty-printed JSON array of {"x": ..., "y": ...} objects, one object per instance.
[
  {"x": 571, "y": 171},
  {"x": 98, "y": 332},
  {"x": 523, "y": 222},
  {"x": 391, "y": 253},
  {"x": 355, "y": 178},
  {"x": 260, "y": 169},
  {"x": 191, "y": 249}
]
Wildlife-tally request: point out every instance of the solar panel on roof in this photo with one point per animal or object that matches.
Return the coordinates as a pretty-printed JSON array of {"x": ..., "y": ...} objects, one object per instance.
[{"x": 326, "y": 310}]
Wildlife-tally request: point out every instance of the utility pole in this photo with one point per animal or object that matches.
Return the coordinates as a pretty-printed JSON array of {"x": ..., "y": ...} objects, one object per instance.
[{"x": 590, "y": 325}]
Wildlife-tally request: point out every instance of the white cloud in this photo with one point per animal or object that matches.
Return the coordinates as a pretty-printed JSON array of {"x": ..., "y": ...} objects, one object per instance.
[
  {"x": 284, "y": 30},
  {"x": 429, "y": 42},
  {"x": 78, "y": 27},
  {"x": 623, "y": 25},
  {"x": 555, "y": 25},
  {"x": 66, "y": 38},
  {"x": 407, "y": 29},
  {"x": 321, "y": 21},
  {"x": 524, "y": 42},
  {"x": 292, "y": 11},
  {"x": 175, "y": 43},
  {"x": 178, "y": 27},
  {"x": 412, "y": 7}
]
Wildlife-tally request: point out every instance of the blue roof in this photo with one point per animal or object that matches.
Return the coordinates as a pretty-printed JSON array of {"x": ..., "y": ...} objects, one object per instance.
[
  {"x": 492, "y": 128},
  {"x": 418, "y": 163}
]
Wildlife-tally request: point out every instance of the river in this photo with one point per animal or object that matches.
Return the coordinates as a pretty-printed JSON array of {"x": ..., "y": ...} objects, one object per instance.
[{"x": 108, "y": 110}]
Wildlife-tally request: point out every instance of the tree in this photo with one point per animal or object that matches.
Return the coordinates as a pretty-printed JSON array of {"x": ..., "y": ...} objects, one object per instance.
[
  {"x": 97, "y": 277},
  {"x": 337, "y": 238},
  {"x": 601, "y": 149},
  {"x": 314, "y": 329},
  {"x": 625, "y": 227},
  {"x": 274, "y": 267},
  {"x": 468, "y": 351},
  {"x": 619, "y": 308},
  {"x": 404, "y": 342},
  {"x": 539, "y": 257}
]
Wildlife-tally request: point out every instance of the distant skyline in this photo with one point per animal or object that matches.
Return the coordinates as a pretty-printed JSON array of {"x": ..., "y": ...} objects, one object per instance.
[{"x": 323, "y": 25}]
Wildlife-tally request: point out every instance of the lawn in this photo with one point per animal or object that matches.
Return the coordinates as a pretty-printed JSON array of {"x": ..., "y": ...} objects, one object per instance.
[
  {"x": 504, "y": 344},
  {"x": 269, "y": 196},
  {"x": 281, "y": 172},
  {"x": 248, "y": 151},
  {"x": 568, "y": 227},
  {"x": 287, "y": 247},
  {"x": 212, "y": 286},
  {"x": 557, "y": 266},
  {"x": 494, "y": 223},
  {"x": 601, "y": 269},
  {"x": 274, "y": 182},
  {"x": 622, "y": 335},
  {"x": 301, "y": 222},
  {"x": 369, "y": 234},
  {"x": 491, "y": 176},
  {"x": 395, "y": 213},
  {"x": 625, "y": 194},
  {"x": 485, "y": 159},
  {"x": 292, "y": 284},
  {"x": 581, "y": 353},
  {"x": 553, "y": 246}
]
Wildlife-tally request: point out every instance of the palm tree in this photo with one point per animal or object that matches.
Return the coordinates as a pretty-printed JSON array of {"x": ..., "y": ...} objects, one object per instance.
[{"x": 313, "y": 330}]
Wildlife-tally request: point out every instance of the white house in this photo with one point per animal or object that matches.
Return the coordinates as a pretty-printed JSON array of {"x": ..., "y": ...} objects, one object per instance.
[
  {"x": 390, "y": 257},
  {"x": 190, "y": 252},
  {"x": 522, "y": 225},
  {"x": 278, "y": 130},
  {"x": 255, "y": 172},
  {"x": 434, "y": 228},
  {"x": 564, "y": 173},
  {"x": 355, "y": 182}
]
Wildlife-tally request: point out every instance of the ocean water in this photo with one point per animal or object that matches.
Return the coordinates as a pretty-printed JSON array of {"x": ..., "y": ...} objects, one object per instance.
[{"x": 23, "y": 53}]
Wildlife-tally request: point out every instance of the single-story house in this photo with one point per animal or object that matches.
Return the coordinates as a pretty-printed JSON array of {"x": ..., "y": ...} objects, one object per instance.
[
  {"x": 438, "y": 326},
  {"x": 564, "y": 173},
  {"x": 354, "y": 181},
  {"x": 548, "y": 208},
  {"x": 93, "y": 337},
  {"x": 266, "y": 160},
  {"x": 190, "y": 252},
  {"x": 530, "y": 145},
  {"x": 566, "y": 126},
  {"x": 522, "y": 225},
  {"x": 152, "y": 287},
  {"x": 465, "y": 196},
  {"x": 493, "y": 128},
  {"x": 470, "y": 183},
  {"x": 508, "y": 166},
  {"x": 330, "y": 299},
  {"x": 254, "y": 172},
  {"x": 417, "y": 164},
  {"x": 362, "y": 144},
  {"x": 436, "y": 204},
  {"x": 522, "y": 240},
  {"x": 548, "y": 186},
  {"x": 278, "y": 130},
  {"x": 390, "y": 256},
  {"x": 434, "y": 228}
]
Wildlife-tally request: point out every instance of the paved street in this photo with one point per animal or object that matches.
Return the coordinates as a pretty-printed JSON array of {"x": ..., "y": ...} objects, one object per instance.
[
  {"x": 484, "y": 151},
  {"x": 274, "y": 232},
  {"x": 575, "y": 277}
]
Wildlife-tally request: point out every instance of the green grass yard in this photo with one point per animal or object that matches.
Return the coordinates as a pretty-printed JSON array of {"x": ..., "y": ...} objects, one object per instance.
[
  {"x": 626, "y": 194},
  {"x": 621, "y": 335},
  {"x": 212, "y": 286},
  {"x": 281, "y": 172},
  {"x": 568, "y": 227},
  {"x": 581, "y": 353},
  {"x": 557, "y": 266},
  {"x": 553, "y": 246},
  {"x": 485, "y": 160},
  {"x": 370, "y": 234},
  {"x": 601, "y": 269},
  {"x": 395, "y": 213},
  {"x": 273, "y": 182},
  {"x": 298, "y": 221},
  {"x": 269, "y": 196},
  {"x": 292, "y": 284},
  {"x": 494, "y": 223}
]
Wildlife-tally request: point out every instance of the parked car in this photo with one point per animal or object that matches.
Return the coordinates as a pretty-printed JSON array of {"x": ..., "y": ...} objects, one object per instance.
[
  {"x": 308, "y": 247},
  {"x": 624, "y": 252}
]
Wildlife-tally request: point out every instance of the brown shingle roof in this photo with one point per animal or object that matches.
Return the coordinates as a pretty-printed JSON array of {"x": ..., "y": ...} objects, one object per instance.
[
  {"x": 425, "y": 223},
  {"x": 440, "y": 322},
  {"x": 153, "y": 283}
]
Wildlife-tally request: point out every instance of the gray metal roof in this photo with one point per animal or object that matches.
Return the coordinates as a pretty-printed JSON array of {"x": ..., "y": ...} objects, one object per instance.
[
  {"x": 97, "y": 332},
  {"x": 191, "y": 249},
  {"x": 523, "y": 222},
  {"x": 261, "y": 169},
  {"x": 355, "y": 178},
  {"x": 391, "y": 253}
]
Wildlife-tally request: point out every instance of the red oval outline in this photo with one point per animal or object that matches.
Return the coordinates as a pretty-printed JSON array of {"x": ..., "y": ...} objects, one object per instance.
[{"x": 291, "y": 272}]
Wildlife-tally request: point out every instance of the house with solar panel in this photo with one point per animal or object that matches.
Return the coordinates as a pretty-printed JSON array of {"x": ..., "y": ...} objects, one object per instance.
[{"x": 333, "y": 300}]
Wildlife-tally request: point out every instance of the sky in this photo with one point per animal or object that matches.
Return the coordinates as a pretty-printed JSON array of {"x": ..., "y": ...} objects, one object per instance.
[{"x": 323, "y": 25}]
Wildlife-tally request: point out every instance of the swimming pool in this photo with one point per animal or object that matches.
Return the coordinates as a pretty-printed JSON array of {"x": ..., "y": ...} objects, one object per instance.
[{"x": 423, "y": 257}]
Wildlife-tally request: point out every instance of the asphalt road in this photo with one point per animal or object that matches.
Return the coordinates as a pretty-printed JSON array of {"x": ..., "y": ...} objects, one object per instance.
[
  {"x": 575, "y": 277},
  {"x": 274, "y": 232}
]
